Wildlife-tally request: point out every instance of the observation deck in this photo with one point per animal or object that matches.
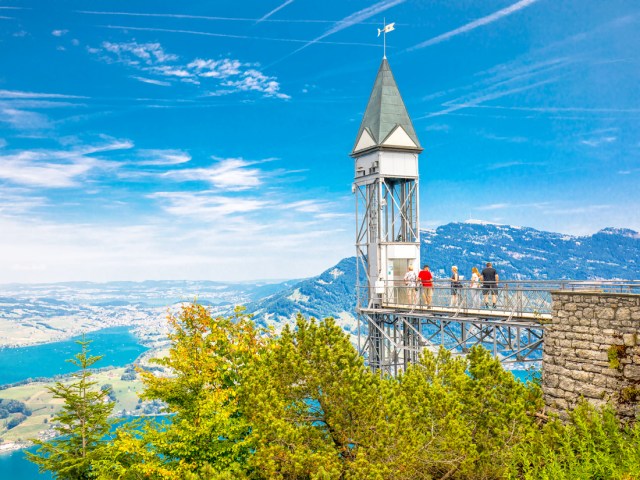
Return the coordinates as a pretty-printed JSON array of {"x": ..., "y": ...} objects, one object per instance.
[{"x": 401, "y": 322}]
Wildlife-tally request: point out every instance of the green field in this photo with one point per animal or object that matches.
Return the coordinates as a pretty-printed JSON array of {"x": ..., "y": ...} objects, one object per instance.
[{"x": 44, "y": 406}]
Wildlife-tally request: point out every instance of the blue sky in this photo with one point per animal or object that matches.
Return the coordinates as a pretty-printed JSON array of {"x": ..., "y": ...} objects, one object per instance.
[{"x": 210, "y": 140}]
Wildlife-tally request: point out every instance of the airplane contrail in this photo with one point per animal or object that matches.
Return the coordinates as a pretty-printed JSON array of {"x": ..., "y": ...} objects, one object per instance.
[
  {"x": 207, "y": 17},
  {"x": 278, "y": 8},
  {"x": 352, "y": 19},
  {"x": 475, "y": 24},
  {"x": 228, "y": 35}
]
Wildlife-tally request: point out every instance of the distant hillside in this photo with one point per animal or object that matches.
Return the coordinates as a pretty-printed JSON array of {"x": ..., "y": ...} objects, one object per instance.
[
  {"x": 526, "y": 253},
  {"x": 332, "y": 293},
  {"x": 517, "y": 253}
]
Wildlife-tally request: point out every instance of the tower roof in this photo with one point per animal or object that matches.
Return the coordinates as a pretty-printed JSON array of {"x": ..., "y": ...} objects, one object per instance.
[{"x": 386, "y": 122}]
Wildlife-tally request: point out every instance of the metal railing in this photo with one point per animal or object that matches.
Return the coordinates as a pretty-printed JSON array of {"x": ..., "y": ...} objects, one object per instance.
[{"x": 514, "y": 299}]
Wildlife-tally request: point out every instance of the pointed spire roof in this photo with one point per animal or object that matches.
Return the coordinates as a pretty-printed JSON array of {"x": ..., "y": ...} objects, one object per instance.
[{"x": 386, "y": 122}]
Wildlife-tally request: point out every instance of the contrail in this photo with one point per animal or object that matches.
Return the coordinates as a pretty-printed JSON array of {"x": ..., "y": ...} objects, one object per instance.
[
  {"x": 352, "y": 19},
  {"x": 275, "y": 10},
  {"x": 204, "y": 17},
  {"x": 227, "y": 35},
  {"x": 475, "y": 24},
  {"x": 474, "y": 102}
]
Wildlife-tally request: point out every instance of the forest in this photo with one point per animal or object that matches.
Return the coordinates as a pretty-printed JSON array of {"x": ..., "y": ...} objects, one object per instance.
[{"x": 244, "y": 402}]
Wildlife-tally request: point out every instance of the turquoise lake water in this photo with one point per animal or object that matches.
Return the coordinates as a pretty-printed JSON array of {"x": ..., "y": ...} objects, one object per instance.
[
  {"x": 117, "y": 345},
  {"x": 14, "y": 466}
]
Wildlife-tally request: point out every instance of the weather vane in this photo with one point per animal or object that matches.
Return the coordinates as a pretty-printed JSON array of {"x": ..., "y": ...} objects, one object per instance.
[{"x": 386, "y": 29}]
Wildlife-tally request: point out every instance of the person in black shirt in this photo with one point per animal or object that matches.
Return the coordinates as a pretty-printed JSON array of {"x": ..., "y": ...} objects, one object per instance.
[{"x": 489, "y": 278}]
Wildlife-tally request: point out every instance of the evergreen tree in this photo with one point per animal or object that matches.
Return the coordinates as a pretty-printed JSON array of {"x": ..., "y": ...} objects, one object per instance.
[{"x": 82, "y": 424}]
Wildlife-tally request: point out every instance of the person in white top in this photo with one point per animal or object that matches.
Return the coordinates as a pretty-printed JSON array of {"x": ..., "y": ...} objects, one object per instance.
[
  {"x": 475, "y": 287},
  {"x": 411, "y": 281}
]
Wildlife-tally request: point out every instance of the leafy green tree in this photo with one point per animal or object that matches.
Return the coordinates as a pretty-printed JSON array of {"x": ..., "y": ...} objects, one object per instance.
[
  {"x": 82, "y": 424},
  {"x": 206, "y": 436}
]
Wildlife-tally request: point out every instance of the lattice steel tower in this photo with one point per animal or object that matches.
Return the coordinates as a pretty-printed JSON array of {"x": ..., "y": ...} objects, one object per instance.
[{"x": 387, "y": 229}]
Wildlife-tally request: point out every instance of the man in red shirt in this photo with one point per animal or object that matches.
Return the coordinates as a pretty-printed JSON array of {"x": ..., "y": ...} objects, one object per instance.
[{"x": 427, "y": 285}]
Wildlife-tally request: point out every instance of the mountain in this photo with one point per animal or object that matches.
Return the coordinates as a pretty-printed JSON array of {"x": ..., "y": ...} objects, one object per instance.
[
  {"x": 518, "y": 253},
  {"x": 332, "y": 293},
  {"x": 522, "y": 253}
]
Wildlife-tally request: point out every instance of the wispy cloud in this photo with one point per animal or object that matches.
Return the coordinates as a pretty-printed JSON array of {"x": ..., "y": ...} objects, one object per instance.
[
  {"x": 228, "y": 75},
  {"x": 151, "y": 81},
  {"x": 162, "y": 157},
  {"x": 353, "y": 19},
  {"x": 207, "y": 205},
  {"x": 134, "y": 53},
  {"x": 598, "y": 141},
  {"x": 15, "y": 201},
  {"x": 23, "y": 119},
  {"x": 275, "y": 10},
  {"x": 54, "y": 168},
  {"x": 547, "y": 208},
  {"x": 475, "y": 24},
  {"x": 515, "y": 163},
  {"x": 59, "y": 33},
  {"x": 11, "y": 94},
  {"x": 229, "y": 174}
]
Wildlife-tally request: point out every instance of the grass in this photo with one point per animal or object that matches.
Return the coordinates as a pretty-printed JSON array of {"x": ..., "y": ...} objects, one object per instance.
[{"x": 44, "y": 406}]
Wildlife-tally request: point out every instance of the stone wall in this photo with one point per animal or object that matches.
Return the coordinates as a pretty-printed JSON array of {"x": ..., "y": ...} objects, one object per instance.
[{"x": 592, "y": 350}]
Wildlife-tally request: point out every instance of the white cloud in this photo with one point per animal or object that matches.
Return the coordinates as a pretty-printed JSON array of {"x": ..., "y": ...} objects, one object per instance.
[
  {"x": 170, "y": 71},
  {"x": 59, "y": 33},
  {"x": 23, "y": 119},
  {"x": 209, "y": 206},
  {"x": 216, "y": 68},
  {"x": 227, "y": 74},
  {"x": 54, "y": 168},
  {"x": 253, "y": 80},
  {"x": 230, "y": 174},
  {"x": 596, "y": 142},
  {"x": 179, "y": 247},
  {"x": 132, "y": 53},
  {"x": 32, "y": 169},
  {"x": 18, "y": 94},
  {"x": 163, "y": 157},
  {"x": 152, "y": 81},
  {"x": 15, "y": 201}
]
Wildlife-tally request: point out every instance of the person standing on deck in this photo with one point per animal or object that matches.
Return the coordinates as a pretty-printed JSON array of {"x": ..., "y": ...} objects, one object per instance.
[
  {"x": 411, "y": 281},
  {"x": 426, "y": 278},
  {"x": 475, "y": 287},
  {"x": 456, "y": 285},
  {"x": 490, "y": 279}
]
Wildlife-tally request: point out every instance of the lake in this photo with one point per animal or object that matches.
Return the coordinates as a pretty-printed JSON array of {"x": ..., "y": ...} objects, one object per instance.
[
  {"x": 14, "y": 465},
  {"x": 117, "y": 345}
]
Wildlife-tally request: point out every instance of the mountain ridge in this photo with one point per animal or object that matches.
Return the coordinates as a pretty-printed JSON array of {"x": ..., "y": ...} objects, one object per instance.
[{"x": 518, "y": 253}]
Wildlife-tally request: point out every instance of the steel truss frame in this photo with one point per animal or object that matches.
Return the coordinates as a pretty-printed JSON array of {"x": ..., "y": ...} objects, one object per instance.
[
  {"x": 395, "y": 339},
  {"x": 386, "y": 213}
]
